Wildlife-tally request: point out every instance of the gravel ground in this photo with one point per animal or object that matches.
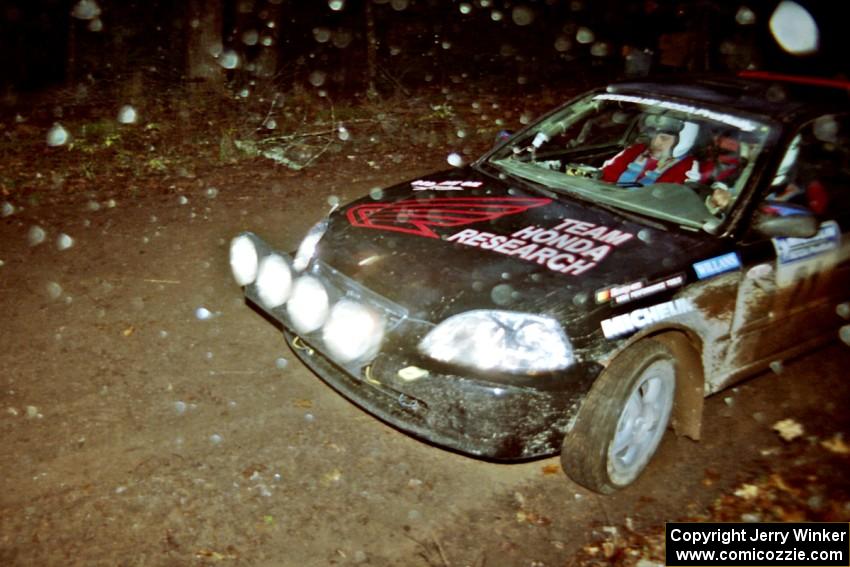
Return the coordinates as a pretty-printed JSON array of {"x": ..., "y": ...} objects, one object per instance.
[{"x": 149, "y": 417}]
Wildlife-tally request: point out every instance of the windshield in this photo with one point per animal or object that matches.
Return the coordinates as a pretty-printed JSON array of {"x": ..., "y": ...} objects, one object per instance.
[{"x": 658, "y": 158}]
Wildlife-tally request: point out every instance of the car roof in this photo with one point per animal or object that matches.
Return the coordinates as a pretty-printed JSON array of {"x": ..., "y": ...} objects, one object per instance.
[{"x": 789, "y": 98}]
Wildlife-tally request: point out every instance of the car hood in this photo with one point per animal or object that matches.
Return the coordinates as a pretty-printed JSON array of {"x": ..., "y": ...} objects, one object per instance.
[{"x": 461, "y": 240}]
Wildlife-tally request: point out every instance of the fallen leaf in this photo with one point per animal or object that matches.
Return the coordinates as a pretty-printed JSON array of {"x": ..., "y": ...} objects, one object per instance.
[
  {"x": 747, "y": 491},
  {"x": 303, "y": 404},
  {"x": 780, "y": 483},
  {"x": 129, "y": 331},
  {"x": 836, "y": 444},
  {"x": 214, "y": 555},
  {"x": 251, "y": 470},
  {"x": 523, "y": 516},
  {"x": 788, "y": 429},
  {"x": 332, "y": 476},
  {"x": 551, "y": 469},
  {"x": 789, "y": 516}
]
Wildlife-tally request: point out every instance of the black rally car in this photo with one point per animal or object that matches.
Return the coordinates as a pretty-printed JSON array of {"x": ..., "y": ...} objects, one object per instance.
[{"x": 586, "y": 283}]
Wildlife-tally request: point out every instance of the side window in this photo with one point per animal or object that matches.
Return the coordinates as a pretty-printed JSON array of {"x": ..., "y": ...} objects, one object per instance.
[{"x": 814, "y": 174}]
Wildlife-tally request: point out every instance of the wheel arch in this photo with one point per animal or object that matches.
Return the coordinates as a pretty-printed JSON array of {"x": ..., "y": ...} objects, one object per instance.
[{"x": 689, "y": 398}]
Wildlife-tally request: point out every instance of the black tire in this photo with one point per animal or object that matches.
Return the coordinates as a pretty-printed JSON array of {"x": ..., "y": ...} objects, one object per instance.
[{"x": 589, "y": 455}]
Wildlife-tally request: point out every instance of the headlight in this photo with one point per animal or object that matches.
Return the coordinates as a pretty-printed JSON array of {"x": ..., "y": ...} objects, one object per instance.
[
  {"x": 307, "y": 248},
  {"x": 274, "y": 281},
  {"x": 243, "y": 259},
  {"x": 308, "y": 306},
  {"x": 500, "y": 340},
  {"x": 353, "y": 331}
]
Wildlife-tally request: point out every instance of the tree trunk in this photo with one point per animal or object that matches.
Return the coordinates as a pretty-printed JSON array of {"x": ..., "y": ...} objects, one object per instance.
[
  {"x": 267, "y": 61},
  {"x": 205, "y": 40},
  {"x": 371, "y": 53},
  {"x": 71, "y": 55}
]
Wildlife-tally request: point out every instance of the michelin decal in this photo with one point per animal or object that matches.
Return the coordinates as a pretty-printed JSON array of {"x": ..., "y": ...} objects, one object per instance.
[{"x": 629, "y": 323}]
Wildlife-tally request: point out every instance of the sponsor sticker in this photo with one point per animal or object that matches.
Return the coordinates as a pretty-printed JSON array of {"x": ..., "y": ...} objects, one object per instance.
[
  {"x": 790, "y": 250},
  {"x": 717, "y": 265},
  {"x": 425, "y": 185},
  {"x": 631, "y": 322},
  {"x": 638, "y": 290},
  {"x": 571, "y": 247},
  {"x": 800, "y": 258}
]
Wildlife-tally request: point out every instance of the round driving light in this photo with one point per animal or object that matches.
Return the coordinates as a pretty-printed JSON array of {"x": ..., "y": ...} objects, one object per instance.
[
  {"x": 243, "y": 260},
  {"x": 308, "y": 306},
  {"x": 274, "y": 281},
  {"x": 352, "y": 332}
]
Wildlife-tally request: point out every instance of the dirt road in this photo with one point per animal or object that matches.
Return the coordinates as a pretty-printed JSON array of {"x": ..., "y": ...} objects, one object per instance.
[{"x": 149, "y": 417}]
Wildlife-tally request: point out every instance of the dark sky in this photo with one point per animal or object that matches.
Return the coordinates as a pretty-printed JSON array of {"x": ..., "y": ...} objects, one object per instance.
[{"x": 442, "y": 41}]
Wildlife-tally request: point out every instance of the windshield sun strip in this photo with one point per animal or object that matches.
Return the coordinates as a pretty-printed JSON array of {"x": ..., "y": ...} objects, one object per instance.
[{"x": 735, "y": 121}]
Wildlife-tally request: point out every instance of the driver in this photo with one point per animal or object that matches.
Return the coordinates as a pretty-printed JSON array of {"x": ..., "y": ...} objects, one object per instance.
[{"x": 664, "y": 160}]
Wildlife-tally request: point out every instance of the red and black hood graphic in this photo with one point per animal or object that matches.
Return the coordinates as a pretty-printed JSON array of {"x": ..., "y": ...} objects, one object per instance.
[
  {"x": 463, "y": 240},
  {"x": 421, "y": 216}
]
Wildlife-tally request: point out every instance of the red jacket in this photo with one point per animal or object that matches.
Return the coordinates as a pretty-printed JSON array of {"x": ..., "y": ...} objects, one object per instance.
[{"x": 676, "y": 173}]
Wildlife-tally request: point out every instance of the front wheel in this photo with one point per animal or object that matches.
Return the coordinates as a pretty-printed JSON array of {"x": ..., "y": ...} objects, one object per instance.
[{"x": 622, "y": 420}]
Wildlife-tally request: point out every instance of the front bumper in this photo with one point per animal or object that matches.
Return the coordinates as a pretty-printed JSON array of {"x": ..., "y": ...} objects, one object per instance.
[{"x": 484, "y": 417}]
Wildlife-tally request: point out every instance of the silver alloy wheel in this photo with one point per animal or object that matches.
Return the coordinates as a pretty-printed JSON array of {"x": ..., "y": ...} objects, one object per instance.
[{"x": 642, "y": 422}]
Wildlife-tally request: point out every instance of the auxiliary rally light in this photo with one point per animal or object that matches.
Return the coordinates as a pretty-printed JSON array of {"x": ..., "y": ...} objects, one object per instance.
[
  {"x": 274, "y": 281},
  {"x": 352, "y": 331},
  {"x": 243, "y": 260},
  {"x": 309, "y": 305}
]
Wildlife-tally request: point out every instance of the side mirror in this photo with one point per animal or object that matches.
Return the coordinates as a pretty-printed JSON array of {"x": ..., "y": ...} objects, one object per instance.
[
  {"x": 800, "y": 224},
  {"x": 501, "y": 137}
]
